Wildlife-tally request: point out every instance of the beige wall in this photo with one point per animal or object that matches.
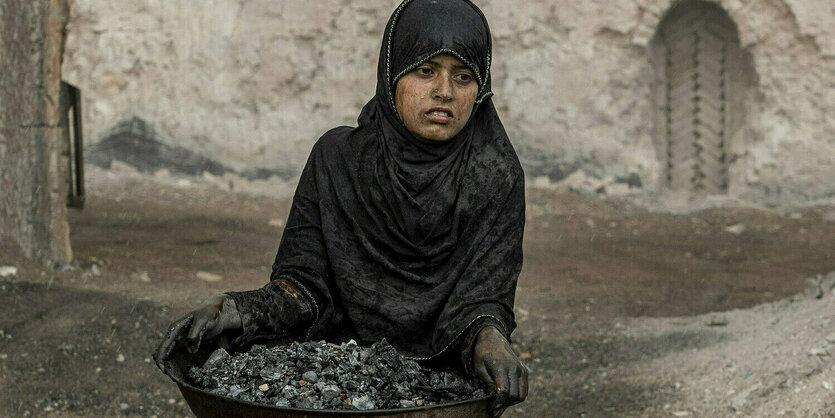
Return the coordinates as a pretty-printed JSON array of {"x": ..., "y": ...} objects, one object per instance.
[{"x": 254, "y": 83}]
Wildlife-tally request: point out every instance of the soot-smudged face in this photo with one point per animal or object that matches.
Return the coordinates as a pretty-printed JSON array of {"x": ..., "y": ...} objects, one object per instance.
[{"x": 435, "y": 100}]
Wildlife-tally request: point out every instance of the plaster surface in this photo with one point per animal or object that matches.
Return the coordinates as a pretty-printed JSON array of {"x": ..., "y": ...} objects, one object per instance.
[{"x": 252, "y": 85}]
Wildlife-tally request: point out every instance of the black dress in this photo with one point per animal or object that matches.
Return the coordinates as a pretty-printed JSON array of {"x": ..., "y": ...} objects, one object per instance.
[{"x": 391, "y": 236}]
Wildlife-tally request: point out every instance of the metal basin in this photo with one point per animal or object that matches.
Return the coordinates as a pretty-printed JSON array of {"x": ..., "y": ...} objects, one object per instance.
[{"x": 205, "y": 404}]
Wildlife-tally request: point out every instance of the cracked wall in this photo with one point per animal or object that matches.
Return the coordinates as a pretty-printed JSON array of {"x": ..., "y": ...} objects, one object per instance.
[{"x": 252, "y": 84}]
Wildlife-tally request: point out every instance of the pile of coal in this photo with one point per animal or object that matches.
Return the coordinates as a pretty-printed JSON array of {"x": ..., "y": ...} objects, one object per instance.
[{"x": 320, "y": 375}]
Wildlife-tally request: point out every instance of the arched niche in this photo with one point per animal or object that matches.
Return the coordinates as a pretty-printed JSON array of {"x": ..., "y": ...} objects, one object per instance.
[{"x": 701, "y": 77}]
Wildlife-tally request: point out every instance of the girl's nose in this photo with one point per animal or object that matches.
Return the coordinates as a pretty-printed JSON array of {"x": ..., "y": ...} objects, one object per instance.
[{"x": 443, "y": 89}]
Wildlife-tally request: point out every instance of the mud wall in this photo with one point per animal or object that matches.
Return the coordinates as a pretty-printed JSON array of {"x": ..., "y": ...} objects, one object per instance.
[
  {"x": 33, "y": 191},
  {"x": 250, "y": 85}
]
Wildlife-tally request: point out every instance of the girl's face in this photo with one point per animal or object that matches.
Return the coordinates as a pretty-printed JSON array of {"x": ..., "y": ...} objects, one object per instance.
[{"x": 435, "y": 100}]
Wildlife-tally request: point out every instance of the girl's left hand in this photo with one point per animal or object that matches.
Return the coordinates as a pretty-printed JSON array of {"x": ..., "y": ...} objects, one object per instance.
[{"x": 495, "y": 362}]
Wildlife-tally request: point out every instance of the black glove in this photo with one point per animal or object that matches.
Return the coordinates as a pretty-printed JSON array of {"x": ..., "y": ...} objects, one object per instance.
[
  {"x": 215, "y": 315},
  {"x": 496, "y": 363}
]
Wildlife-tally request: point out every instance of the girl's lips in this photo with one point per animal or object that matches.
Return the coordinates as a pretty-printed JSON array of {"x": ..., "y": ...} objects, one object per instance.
[{"x": 438, "y": 116}]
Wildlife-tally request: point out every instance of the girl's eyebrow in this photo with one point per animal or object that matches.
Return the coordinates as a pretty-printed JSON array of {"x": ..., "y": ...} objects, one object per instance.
[{"x": 455, "y": 67}]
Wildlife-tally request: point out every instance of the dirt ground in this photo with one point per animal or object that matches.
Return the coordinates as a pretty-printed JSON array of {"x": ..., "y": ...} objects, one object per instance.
[{"x": 621, "y": 311}]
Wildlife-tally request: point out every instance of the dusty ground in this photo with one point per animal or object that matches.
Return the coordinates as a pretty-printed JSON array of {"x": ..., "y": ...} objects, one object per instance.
[{"x": 621, "y": 312}]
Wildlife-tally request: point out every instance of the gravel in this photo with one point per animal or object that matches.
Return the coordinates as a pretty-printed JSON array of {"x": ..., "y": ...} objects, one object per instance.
[{"x": 320, "y": 375}]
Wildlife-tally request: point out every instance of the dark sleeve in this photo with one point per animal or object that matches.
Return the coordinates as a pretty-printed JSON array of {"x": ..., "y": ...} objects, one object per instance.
[
  {"x": 275, "y": 312},
  {"x": 485, "y": 294},
  {"x": 302, "y": 256}
]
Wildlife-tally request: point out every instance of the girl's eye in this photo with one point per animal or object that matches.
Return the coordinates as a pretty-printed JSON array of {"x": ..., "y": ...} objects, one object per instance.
[
  {"x": 465, "y": 77},
  {"x": 424, "y": 70}
]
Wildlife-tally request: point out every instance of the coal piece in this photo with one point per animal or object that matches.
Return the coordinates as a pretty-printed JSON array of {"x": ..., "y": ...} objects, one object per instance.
[{"x": 320, "y": 375}]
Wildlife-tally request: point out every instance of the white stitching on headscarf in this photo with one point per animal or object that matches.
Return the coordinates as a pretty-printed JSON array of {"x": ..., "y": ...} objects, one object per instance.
[
  {"x": 388, "y": 54},
  {"x": 486, "y": 94}
]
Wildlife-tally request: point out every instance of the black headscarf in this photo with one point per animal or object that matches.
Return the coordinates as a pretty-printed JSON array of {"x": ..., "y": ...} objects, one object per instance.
[{"x": 392, "y": 236}]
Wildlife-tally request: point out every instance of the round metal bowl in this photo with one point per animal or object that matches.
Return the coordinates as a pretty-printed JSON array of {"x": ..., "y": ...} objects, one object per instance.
[{"x": 205, "y": 404}]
